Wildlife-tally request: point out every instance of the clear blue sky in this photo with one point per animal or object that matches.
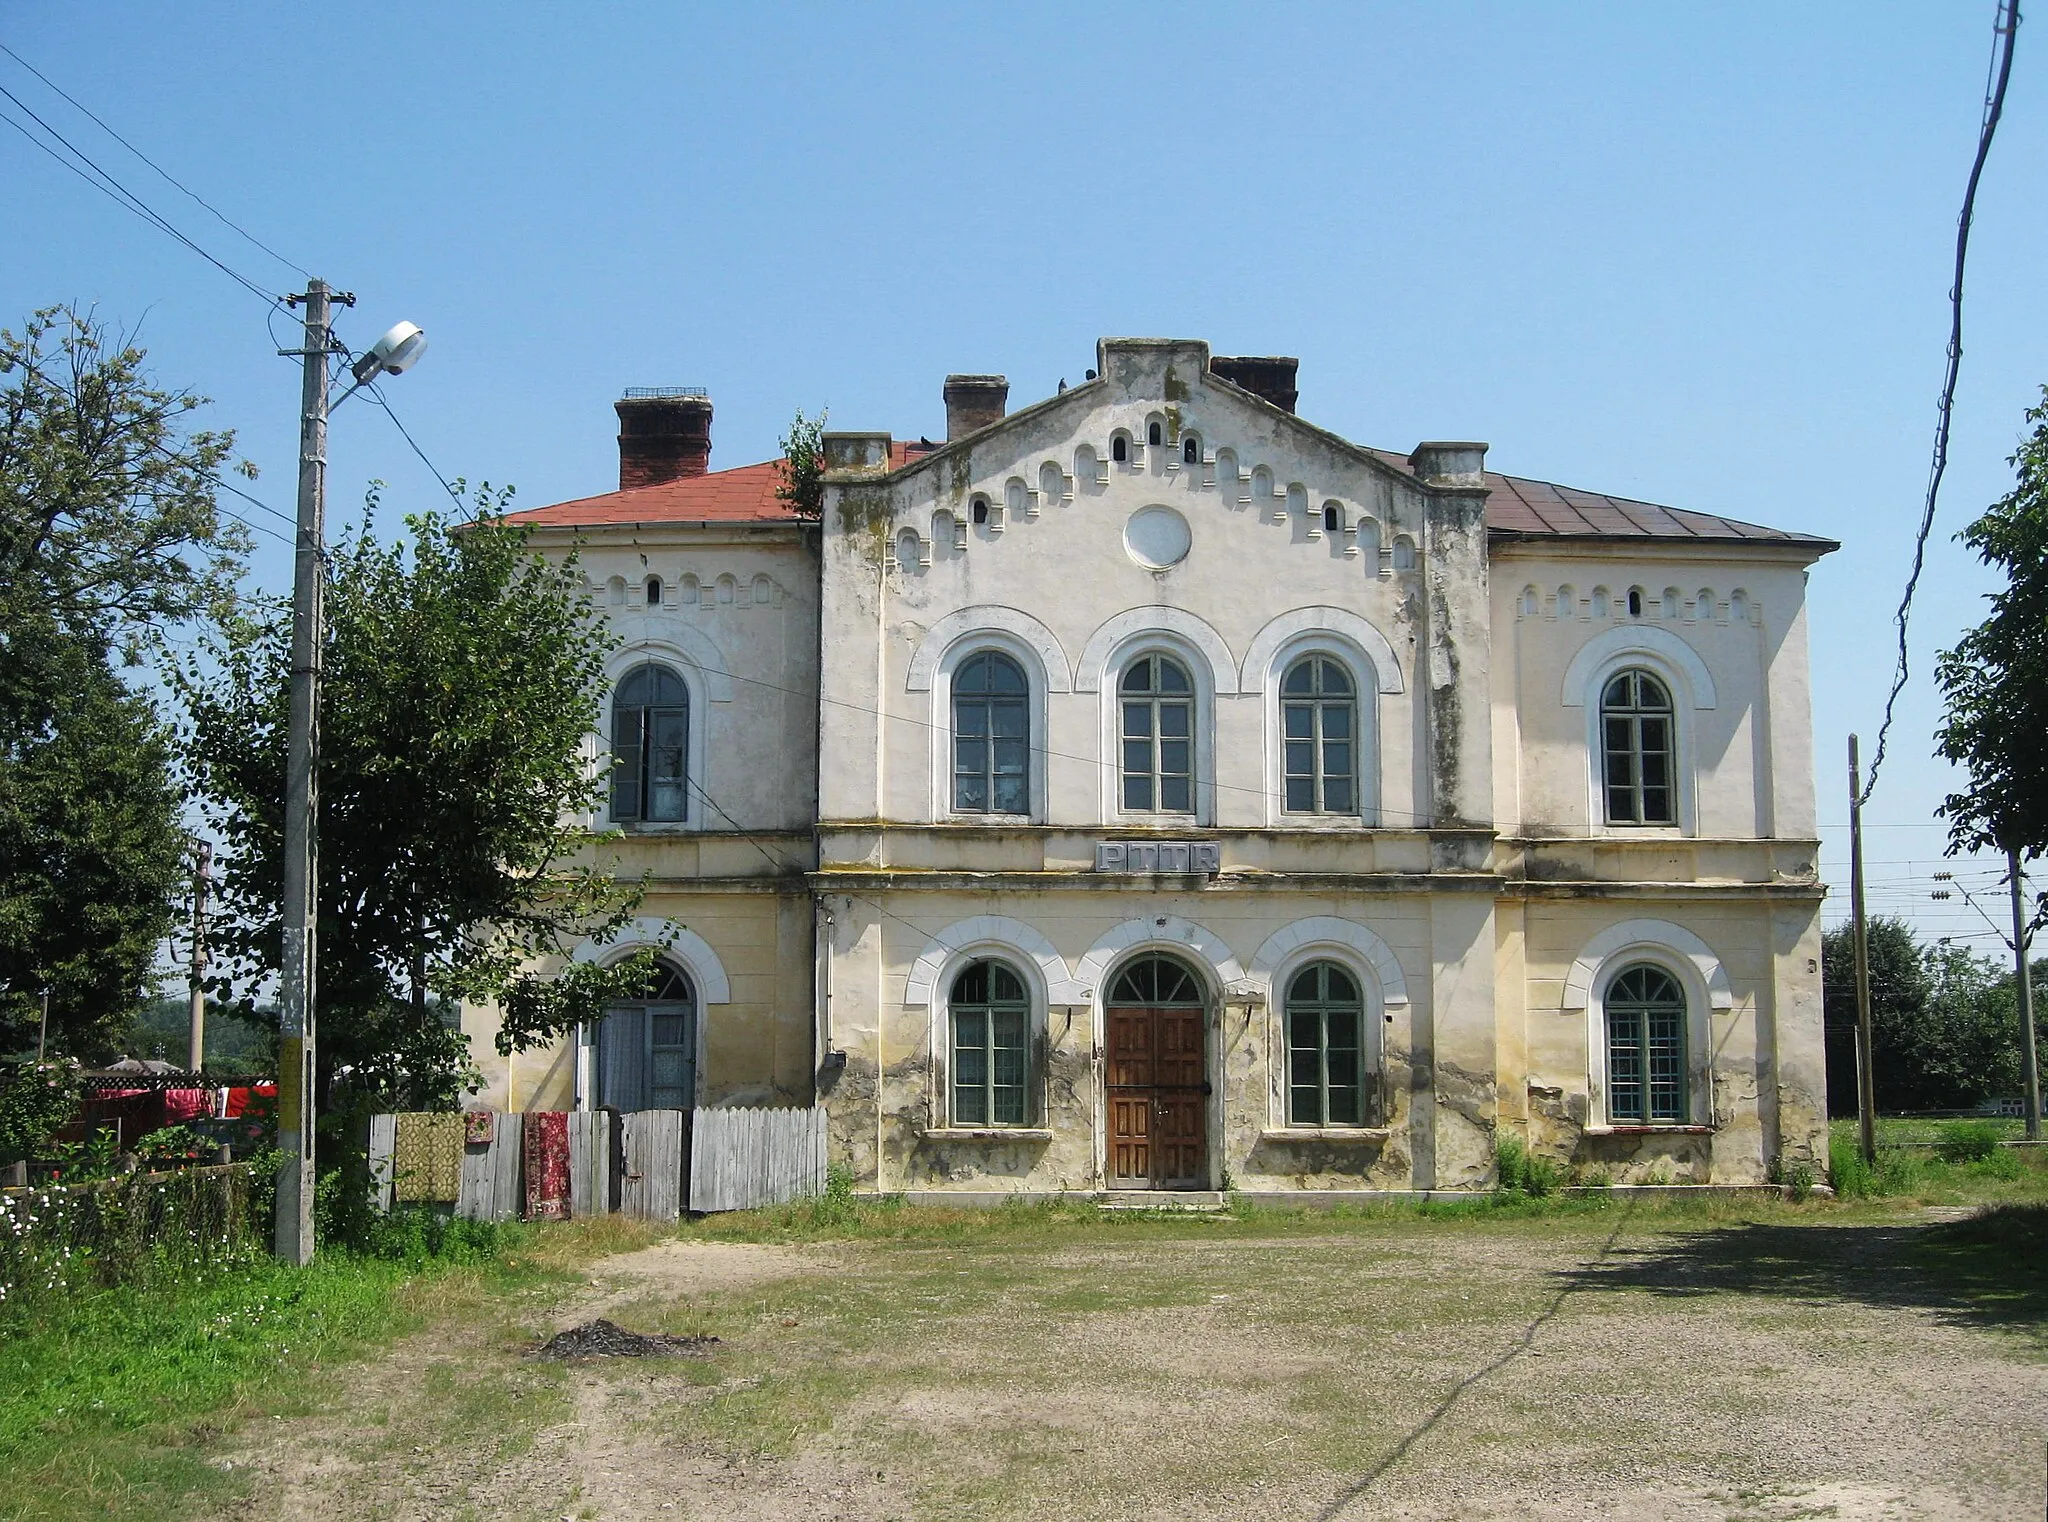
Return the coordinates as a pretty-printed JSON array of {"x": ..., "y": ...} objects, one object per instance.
[{"x": 1693, "y": 255}]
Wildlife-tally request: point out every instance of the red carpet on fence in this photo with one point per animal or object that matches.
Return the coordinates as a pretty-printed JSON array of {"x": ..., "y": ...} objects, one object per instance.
[{"x": 547, "y": 1165}]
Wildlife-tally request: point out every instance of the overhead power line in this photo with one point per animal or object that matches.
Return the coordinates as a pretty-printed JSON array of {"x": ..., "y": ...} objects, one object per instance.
[
  {"x": 91, "y": 115},
  {"x": 2006, "y": 32},
  {"x": 101, "y": 180}
]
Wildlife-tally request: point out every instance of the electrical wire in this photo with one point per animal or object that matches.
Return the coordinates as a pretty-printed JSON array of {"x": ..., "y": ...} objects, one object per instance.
[
  {"x": 376, "y": 394},
  {"x": 120, "y": 193},
  {"x": 218, "y": 214},
  {"x": 2006, "y": 31}
]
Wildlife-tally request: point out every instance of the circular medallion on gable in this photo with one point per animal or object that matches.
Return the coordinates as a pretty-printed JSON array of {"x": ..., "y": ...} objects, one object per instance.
[{"x": 1157, "y": 537}]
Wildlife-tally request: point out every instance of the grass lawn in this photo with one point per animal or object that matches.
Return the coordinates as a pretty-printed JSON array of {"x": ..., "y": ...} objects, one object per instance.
[{"x": 1725, "y": 1359}]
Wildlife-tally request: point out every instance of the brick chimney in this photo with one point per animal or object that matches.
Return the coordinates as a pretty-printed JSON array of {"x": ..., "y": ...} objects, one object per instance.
[
  {"x": 973, "y": 402},
  {"x": 664, "y": 434},
  {"x": 1270, "y": 376}
]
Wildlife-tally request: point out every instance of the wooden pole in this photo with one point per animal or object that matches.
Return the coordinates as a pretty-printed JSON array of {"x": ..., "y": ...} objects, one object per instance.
[
  {"x": 195, "y": 1035},
  {"x": 1866, "y": 1068},
  {"x": 2024, "y": 983}
]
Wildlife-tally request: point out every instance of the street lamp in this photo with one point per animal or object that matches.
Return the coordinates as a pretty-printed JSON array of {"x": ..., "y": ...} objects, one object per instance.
[{"x": 394, "y": 353}]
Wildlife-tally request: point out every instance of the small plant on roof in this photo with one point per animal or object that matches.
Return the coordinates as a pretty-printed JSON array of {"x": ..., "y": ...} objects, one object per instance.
[{"x": 803, "y": 465}]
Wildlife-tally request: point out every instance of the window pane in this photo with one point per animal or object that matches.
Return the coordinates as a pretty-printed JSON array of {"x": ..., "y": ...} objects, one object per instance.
[
  {"x": 970, "y": 793},
  {"x": 1007, "y": 720},
  {"x": 1174, "y": 797},
  {"x": 1336, "y": 680},
  {"x": 1336, "y": 721},
  {"x": 1004, "y": 674},
  {"x": 1624, "y": 1067},
  {"x": 1657, "y": 806},
  {"x": 971, "y": 987},
  {"x": 1138, "y": 676},
  {"x": 1666, "y": 1064},
  {"x": 1012, "y": 795},
  {"x": 1173, "y": 758},
  {"x": 1300, "y": 721},
  {"x": 1336, "y": 758},
  {"x": 969, "y": 754},
  {"x": 970, "y": 718},
  {"x": 1337, "y": 797},
  {"x": 626, "y": 757},
  {"x": 1301, "y": 795},
  {"x": 1010, "y": 758},
  {"x": 1172, "y": 678},
  {"x": 1301, "y": 758},
  {"x": 1137, "y": 758},
  {"x": 1004, "y": 986},
  {"x": 1175, "y": 720},
  {"x": 1138, "y": 794},
  {"x": 1301, "y": 677},
  {"x": 1137, "y": 719}
]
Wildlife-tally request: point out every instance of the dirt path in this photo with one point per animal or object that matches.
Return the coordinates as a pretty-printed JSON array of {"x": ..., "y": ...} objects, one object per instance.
[{"x": 1533, "y": 1370}]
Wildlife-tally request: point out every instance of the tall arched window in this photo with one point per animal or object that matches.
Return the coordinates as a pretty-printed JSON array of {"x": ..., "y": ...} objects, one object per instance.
[
  {"x": 647, "y": 1046},
  {"x": 1158, "y": 729},
  {"x": 650, "y": 746},
  {"x": 1645, "y": 1048},
  {"x": 1120, "y": 448},
  {"x": 991, "y": 736},
  {"x": 1635, "y": 736},
  {"x": 1319, "y": 723},
  {"x": 1191, "y": 451},
  {"x": 1326, "y": 1059},
  {"x": 991, "y": 1047}
]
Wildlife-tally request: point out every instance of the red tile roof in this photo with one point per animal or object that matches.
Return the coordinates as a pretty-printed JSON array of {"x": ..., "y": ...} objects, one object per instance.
[
  {"x": 743, "y": 495},
  {"x": 1517, "y": 507}
]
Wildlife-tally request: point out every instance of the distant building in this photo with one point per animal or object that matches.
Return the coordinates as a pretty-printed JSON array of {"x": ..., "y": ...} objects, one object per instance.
[{"x": 1149, "y": 789}]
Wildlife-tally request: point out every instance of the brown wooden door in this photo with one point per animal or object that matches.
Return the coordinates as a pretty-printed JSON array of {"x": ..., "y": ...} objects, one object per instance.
[{"x": 1158, "y": 1111}]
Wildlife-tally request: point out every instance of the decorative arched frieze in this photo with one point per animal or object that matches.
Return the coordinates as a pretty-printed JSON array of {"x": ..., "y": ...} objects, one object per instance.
[
  {"x": 1613, "y": 647},
  {"x": 991, "y": 932},
  {"x": 1328, "y": 932},
  {"x": 966, "y": 622},
  {"x": 1164, "y": 933},
  {"x": 1632, "y": 937},
  {"x": 1341, "y": 624},
  {"x": 707, "y": 973},
  {"x": 1129, "y": 625}
]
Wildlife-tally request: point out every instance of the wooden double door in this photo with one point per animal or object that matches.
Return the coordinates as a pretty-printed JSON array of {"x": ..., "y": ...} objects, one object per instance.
[{"x": 1157, "y": 1075}]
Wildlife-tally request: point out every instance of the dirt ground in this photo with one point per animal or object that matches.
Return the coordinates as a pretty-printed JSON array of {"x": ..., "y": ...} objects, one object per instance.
[{"x": 1623, "y": 1369}]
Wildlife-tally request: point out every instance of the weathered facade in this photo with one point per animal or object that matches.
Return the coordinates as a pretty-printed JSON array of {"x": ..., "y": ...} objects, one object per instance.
[{"x": 1148, "y": 789}]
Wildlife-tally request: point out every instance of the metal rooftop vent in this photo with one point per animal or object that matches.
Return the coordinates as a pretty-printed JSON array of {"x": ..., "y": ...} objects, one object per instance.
[{"x": 634, "y": 393}]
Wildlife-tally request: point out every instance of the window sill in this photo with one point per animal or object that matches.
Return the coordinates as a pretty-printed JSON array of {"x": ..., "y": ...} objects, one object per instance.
[
  {"x": 1661, "y": 1129},
  {"x": 1326, "y": 1134},
  {"x": 988, "y": 1133}
]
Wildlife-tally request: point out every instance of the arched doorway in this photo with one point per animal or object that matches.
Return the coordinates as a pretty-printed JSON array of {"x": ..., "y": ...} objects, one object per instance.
[
  {"x": 647, "y": 1047},
  {"x": 1156, "y": 1071}
]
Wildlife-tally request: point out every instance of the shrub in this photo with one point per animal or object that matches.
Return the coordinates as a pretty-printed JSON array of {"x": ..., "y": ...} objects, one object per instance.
[
  {"x": 1799, "y": 1179},
  {"x": 1970, "y": 1141},
  {"x": 1519, "y": 1171}
]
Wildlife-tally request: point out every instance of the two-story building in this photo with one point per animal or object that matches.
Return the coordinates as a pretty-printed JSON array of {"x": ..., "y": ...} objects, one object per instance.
[{"x": 1148, "y": 789}]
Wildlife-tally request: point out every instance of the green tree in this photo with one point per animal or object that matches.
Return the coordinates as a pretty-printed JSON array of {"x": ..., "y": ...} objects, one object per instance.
[
  {"x": 803, "y": 465},
  {"x": 1944, "y": 1021},
  {"x": 461, "y": 681},
  {"x": 1995, "y": 681},
  {"x": 108, "y": 536}
]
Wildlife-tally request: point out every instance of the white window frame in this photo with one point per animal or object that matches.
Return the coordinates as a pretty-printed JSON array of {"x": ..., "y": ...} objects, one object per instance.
[
  {"x": 1202, "y": 679},
  {"x": 1699, "y": 1014},
  {"x": 696, "y": 785},
  {"x": 965, "y": 647}
]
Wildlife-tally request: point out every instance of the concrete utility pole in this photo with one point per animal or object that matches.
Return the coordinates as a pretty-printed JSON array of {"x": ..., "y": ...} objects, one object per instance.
[
  {"x": 2021, "y": 940},
  {"x": 202, "y": 877},
  {"x": 1866, "y": 1068},
  {"x": 296, "y": 1067}
]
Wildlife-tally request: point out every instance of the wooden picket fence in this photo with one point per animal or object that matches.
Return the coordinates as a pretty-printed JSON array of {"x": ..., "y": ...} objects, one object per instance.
[{"x": 651, "y": 1164}]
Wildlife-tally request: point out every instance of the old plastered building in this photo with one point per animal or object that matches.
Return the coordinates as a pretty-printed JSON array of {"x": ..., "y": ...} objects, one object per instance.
[{"x": 1148, "y": 789}]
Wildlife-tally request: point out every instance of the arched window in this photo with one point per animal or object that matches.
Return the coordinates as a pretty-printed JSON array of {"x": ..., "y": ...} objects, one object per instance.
[
  {"x": 1157, "y": 983},
  {"x": 1646, "y": 1060},
  {"x": 991, "y": 736},
  {"x": 1158, "y": 737},
  {"x": 1326, "y": 1059},
  {"x": 1191, "y": 451},
  {"x": 1154, "y": 434},
  {"x": 647, "y": 1046},
  {"x": 1120, "y": 449},
  {"x": 654, "y": 591},
  {"x": 1635, "y": 602},
  {"x": 978, "y": 509},
  {"x": 991, "y": 1047},
  {"x": 1635, "y": 736},
  {"x": 1319, "y": 725},
  {"x": 1333, "y": 518},
  {"x": 650, "y": 746}
]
